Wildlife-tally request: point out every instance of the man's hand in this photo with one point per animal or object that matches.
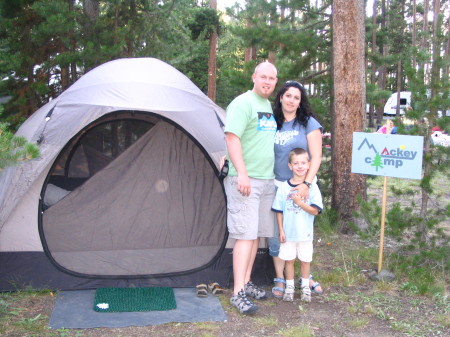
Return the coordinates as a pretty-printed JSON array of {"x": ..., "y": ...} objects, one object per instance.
[
  {"x": 235, "y": 154},
  {"x": 244, "y": 186}
]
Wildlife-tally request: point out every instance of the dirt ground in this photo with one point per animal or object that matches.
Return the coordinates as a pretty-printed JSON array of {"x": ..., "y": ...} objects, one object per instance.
[{"x": 362, "y": 308}]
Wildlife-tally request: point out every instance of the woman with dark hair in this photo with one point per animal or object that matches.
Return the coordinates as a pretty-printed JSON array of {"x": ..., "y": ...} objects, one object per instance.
[{"x": 297, "y": 126}]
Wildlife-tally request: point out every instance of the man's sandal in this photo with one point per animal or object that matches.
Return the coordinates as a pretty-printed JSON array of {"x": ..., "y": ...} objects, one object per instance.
[
  {"x": 279, "y": 289},
  {"x": 202, "y": 290},
  {"x": 215, "y": 288}
]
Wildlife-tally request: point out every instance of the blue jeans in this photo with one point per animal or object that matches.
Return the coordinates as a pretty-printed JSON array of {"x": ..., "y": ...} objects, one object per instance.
[{"x": 274, "y": 246}]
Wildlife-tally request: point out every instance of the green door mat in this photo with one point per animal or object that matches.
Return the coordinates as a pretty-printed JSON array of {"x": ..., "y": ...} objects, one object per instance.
[{"x": 134, "y": 299}]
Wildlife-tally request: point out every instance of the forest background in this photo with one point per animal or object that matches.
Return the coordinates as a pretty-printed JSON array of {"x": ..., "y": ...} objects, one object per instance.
[
  {"x": 46, "y": 45},
  {"x": 386, "y": 46}
]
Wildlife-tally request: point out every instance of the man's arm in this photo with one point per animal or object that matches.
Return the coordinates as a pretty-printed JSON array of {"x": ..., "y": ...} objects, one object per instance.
[{"x": 235, "y": 152}]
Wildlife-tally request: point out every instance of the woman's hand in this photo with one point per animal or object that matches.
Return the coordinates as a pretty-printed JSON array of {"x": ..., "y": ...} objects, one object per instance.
[{"x": 302, "y": 190}]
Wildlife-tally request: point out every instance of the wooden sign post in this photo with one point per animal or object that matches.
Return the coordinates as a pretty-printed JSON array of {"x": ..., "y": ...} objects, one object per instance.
[{"x": 400, "y": 156}]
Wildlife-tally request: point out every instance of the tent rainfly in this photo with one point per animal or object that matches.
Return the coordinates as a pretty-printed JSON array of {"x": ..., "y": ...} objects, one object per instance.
[{"x": 125, "y": 192}]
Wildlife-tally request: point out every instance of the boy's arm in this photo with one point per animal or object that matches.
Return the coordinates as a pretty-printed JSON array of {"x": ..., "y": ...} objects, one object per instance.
[{"x": 280, "y": 227}]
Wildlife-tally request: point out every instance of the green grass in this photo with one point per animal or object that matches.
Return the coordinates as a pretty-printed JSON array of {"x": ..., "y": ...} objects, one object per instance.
[
  {"x": 358, "y": 322},
  {"x": 15, "y": 318},
  {"x": 297, "y": 331},
  {"x": 266, "y": 321}
]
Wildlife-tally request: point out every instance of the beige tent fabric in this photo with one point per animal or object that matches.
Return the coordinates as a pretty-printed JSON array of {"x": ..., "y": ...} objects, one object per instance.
[{"x": 154, "y": 210}]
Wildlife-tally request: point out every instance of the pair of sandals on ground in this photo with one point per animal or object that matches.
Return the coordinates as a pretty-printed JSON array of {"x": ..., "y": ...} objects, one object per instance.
[
  {"x": 280, "y": 291},
  {"x": 214, "y": 288}
]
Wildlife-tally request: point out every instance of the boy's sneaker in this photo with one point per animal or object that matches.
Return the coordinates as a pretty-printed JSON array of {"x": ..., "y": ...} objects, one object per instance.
[
  {"x": 289, "y": 294},
  {"x": 306, "y": 294},
  {"x": 254, "y": 291},
  {"x": 243, "y": 304}
]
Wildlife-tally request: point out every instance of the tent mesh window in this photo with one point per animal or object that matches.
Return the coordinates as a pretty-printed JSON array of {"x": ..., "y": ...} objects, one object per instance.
[{"x": 133, "y": 196}]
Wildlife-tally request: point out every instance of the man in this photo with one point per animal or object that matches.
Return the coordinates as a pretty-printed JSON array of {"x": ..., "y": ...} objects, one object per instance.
[{"x": 249, "y": 132}]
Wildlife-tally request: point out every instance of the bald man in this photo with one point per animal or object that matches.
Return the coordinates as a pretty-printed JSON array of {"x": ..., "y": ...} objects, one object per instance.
[{"x": 249, "y": 132}]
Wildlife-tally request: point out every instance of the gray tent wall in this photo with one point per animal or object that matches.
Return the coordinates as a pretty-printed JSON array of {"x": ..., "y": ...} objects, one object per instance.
[{"x": 153, "y": 215}]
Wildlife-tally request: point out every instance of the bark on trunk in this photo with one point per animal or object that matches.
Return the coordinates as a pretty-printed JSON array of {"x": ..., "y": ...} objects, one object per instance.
[
  {"x": 212, "y": 66},
  {"x": 349, "y": 100}
]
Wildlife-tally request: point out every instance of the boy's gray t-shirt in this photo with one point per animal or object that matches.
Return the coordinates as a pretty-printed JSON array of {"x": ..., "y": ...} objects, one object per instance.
[{"x": 287, "y": 138}]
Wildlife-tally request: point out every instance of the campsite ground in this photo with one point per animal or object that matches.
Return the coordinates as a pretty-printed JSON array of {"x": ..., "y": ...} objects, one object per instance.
[{"x": 352, "y": 304}]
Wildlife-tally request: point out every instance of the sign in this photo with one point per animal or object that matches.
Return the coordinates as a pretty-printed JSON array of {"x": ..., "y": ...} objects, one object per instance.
[{"x": 387, "y": 155}]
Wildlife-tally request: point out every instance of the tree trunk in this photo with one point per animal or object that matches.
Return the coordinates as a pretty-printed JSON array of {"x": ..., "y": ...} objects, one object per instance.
[
  {"x": 399, "y": 87},
  {"x": 432, "y": 118},
  {"x": 91, "y": 9},
  {"x": 65, "y": 70},
  {"x": 212, "y": 66},
  {"x": 423, "y": 42},
  {"x": 250, "y": 52},
  {"x": 349, "y": 100},
  {"x": 447, "y": 53},
  {"x": 373, "y": 76},
  {"x": 383, "y": 69},
  {"x": 414, "y": 34},
  {"x": 131, "y": 36}
]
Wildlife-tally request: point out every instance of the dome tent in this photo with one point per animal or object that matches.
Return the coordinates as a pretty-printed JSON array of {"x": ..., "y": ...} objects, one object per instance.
[{"x": 125, "y": 190}]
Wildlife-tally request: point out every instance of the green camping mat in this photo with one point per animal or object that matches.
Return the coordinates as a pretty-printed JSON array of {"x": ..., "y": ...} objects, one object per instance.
[{"x": 134, "y": 299}]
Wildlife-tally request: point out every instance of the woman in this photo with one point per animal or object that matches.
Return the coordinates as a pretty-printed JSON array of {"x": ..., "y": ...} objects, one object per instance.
[{"x": 296, "y": 127}]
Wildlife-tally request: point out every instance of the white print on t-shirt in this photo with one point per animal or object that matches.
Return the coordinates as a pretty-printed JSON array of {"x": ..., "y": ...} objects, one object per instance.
[
  {"x": 291, "y": 206},
  {"x": 266, "y": 122},
  {"x": 283, "y": 138}
]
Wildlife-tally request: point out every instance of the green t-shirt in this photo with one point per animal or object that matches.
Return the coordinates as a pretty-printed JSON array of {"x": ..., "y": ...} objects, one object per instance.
[{"x": 250, "y": 117}]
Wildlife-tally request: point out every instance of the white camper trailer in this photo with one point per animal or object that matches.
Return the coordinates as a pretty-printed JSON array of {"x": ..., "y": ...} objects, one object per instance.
[{"x": 390, "y": 108}]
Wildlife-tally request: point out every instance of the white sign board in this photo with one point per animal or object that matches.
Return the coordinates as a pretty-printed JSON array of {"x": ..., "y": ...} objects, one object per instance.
[{"x": 387, "y": 155}]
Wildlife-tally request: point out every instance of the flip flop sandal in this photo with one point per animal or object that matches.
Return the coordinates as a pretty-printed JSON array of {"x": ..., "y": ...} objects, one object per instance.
[
  {"x": 281, "y": 290},
  {"x": 314, "y": 288},
  {"x": 202, "y": 290},
  {"x": 215, "y": 288}
]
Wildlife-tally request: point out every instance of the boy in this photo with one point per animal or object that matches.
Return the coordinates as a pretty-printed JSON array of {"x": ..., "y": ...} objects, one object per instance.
[{"x": 295, "y": 218}]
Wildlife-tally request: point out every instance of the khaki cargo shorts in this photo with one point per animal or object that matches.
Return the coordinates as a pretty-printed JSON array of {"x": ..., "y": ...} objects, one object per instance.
[{"x": 250, "y": 217}]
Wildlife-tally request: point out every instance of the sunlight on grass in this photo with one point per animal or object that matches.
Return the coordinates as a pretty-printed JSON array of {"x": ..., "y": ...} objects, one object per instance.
[
  {"x": 206, "y": 326},
  {"x": 266, "y": 321},
  {"x": 385, "y": 286},
  {"x": 403, "y": 326},
  {"x": 207, "y": 335},
  {"x": 336, "y": 297},
  {"x": 444, "y": 320},
  {"x": 270, "y": 303},
  {"x": 358, "y": 323},
  {"x": 297, "y": 331},
  {"x": 369, "y": 309}
]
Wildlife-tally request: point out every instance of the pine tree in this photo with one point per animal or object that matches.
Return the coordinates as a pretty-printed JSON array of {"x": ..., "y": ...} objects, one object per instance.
[
  {"x": 349, "y": 102},
  {"x": 14, "y": 149}
]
